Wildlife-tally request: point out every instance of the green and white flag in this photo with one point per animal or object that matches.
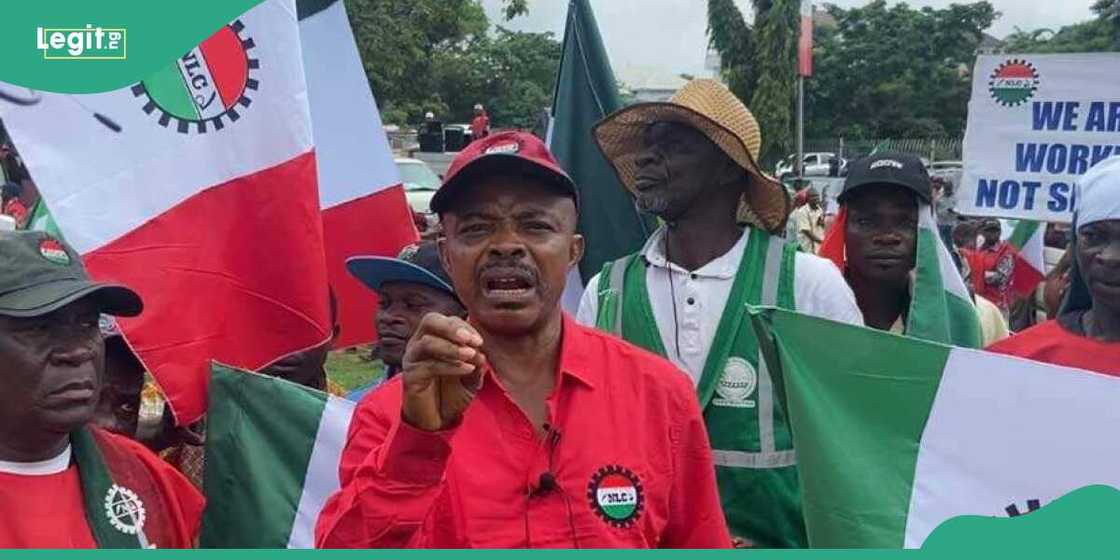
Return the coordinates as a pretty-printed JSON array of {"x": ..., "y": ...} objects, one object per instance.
[
  {"x": 272, "y": 453},
  {"x": 895, "y": 436}
]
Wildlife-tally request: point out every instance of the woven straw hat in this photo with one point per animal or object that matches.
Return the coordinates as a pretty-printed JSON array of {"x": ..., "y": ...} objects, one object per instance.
[{"x": 711, "y": 108}]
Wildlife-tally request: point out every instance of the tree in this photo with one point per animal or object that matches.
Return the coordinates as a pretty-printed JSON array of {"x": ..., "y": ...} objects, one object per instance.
[
  {"x": 759, "y": 65},
  {"x": 511, "y": 73},
  {"x": 1097, "y": 35},
  {"x": 894, "y": 71},
  {"x": 399, "y": 40}
]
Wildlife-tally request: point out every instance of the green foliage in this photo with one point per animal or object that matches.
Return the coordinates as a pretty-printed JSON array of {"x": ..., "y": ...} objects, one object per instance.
[
  {"x": 894, "y": 71},
  {"x": 1098, "y": 35},
  {"x": 758, "y": 64},
  {"x": 510, "y": 72},
  {"x": 734, "y": 40},
  {"x": 775, "y": 91},
  {"x": 437, "y": 55}
]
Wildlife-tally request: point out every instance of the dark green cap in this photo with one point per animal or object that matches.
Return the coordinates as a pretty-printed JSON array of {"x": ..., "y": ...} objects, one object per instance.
[{"x": 40, "y": 274}]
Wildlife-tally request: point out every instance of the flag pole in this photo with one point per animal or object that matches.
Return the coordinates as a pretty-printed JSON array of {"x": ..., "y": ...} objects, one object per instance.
[
  {"x": 804, "y": 69},
  {"x": 800, "y": 128}
]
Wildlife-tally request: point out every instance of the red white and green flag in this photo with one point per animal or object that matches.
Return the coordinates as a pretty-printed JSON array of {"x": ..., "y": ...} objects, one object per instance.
[
  {"x": 895, "y": 436},
  {"x": 1030, "y": 267},
  {"x": 197, "y": 188},
  {"x": 364, "y": 208}
]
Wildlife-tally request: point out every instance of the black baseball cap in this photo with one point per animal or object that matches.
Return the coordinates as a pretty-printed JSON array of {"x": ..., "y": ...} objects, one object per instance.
[
  {"x": 888, "y": 168},
  {"x": 416, "y": 264},
  {"x": 40, "y": 274}
]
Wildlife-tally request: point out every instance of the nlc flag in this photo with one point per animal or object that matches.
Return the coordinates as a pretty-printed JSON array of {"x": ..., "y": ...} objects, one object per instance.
[
  {"x": 895, "y": 436},
  {"x": 204, "y": 201},
  {"x": 360, "y": 192},
  {"x": 1030, "y": 267}
]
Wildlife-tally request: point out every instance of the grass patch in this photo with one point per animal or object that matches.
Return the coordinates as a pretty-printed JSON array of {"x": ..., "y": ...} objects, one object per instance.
[{"x": 349, "y": 368}]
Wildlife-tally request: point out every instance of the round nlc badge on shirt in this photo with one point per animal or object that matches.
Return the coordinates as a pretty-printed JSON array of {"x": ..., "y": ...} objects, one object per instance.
[{"x": 615, "y": 493}]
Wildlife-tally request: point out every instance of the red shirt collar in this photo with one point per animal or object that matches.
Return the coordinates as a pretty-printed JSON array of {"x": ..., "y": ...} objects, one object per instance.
[{"x": 575, "y": 355}]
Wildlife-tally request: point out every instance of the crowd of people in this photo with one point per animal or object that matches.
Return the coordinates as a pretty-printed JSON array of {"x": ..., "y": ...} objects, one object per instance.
[{"x": 646, "y": 419}]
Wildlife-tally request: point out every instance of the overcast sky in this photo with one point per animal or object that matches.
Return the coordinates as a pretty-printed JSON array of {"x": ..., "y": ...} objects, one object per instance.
[{"x": 671, "y": 34}]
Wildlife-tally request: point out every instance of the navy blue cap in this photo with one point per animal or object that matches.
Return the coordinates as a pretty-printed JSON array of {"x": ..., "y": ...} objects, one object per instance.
[{"x": 417, "y": 264}]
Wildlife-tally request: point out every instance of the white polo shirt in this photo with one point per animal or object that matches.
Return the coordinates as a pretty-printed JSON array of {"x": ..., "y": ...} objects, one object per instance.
[{"x": 701, "y": 295}]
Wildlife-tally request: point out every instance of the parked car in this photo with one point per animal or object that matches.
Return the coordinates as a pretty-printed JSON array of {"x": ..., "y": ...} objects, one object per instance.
[
  {"x": 420, "y": 183},
  {"x": 816, "y": 164},
  {"x": 945, "y": 165}
]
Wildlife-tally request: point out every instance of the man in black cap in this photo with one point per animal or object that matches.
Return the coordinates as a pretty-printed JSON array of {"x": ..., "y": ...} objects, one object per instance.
[
  {"x": 885, "y": 241},
  {"x": 63, "y": 484},
  {"x": 520, "y": 427},
  {"x": 408, "y": 288}
]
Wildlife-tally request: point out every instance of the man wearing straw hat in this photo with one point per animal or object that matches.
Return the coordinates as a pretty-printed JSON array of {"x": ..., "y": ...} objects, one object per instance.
[{"x": 693, "y": 162}]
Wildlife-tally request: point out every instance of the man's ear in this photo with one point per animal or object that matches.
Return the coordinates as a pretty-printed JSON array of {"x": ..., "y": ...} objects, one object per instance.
[
  {"x": 441, "y": 247},
  {"x": 579, "y": 245}
]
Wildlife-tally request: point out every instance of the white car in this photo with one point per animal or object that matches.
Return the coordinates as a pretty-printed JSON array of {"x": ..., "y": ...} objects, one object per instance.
[
  {"x": 420, "y": 183},
  {"x": 816, "y": 164}
]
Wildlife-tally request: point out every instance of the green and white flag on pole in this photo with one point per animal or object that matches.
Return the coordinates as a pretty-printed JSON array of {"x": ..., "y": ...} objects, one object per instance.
[
  {"x": 895, "y": 435},
  {"x": 272, "y": 453}
]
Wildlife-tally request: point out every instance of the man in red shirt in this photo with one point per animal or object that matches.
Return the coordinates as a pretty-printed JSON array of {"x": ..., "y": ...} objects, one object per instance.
[
  {"x": 1086, "y": 333},
  {"x": 480, "y": 126},
  {"x": 519, "y": 427},
  {"x": 64, "y": 484},
  {"x": 994, "y": 265}
]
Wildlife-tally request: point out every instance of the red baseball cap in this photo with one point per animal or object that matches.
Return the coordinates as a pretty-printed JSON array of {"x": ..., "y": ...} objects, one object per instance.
[{"x": 502, "y": 152}]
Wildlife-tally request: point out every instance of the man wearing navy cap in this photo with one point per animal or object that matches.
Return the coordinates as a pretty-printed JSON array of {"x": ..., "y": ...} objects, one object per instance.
[
  {"x": 408, "y": 287},
  {"x": 520, "y": 427}
]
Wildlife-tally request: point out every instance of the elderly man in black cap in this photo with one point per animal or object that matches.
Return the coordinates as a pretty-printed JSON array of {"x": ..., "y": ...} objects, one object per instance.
[{"x": 63, "y": 484}]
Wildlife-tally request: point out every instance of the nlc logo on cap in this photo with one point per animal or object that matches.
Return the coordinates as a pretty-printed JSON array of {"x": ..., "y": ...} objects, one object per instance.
[
  {"x": 54, "y": 252},
  {"x": 504, "y": 148}
]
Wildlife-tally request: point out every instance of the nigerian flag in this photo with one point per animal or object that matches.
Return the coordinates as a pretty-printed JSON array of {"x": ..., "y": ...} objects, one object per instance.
[
  {"x": 896, "y": 435},
  {"x": 272, "y": 452}
]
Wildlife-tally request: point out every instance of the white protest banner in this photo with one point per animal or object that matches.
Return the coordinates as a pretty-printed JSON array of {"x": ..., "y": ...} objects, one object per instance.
[{"x": 1035, "y": 124}]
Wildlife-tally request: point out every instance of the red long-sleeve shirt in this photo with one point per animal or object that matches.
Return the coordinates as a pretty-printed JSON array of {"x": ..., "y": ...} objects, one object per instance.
[{"x": 627, "y": 450}]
